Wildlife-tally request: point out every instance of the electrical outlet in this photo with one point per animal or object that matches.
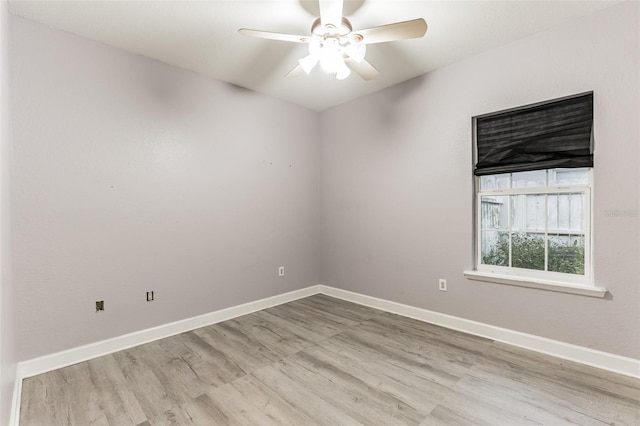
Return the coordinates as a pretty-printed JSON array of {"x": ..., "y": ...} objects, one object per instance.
[
  {"x": 150, "y": 296},
  {"x": 99, "y": 305},
  {"x": 281, "y": 271},
  {"x": 442, "y": 284}
]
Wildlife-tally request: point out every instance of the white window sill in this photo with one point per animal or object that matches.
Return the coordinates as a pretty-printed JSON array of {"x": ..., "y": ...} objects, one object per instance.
[{"x": 536, "y": 283}]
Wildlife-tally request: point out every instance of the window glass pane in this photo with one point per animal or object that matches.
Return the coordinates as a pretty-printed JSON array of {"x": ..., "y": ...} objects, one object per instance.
[
  {"x": 503, "y": 181},
  {"x": 576, "y": 212},
  {"x": 565, "y": 212},
  {"x": 494, "y": 212},
  {"x": 529, "y": 179},
  {"x": 566, "y": 253},
  {"x": 489, "y": 182},
  {"x": 527, "y": 250},
  {"x": 495, "y": 248},
  {"x": 568, "y": 177},
  {"x": 528, "y": 212}
]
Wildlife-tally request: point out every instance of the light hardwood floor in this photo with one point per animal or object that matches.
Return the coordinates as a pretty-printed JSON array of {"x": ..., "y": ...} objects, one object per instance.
[{"x": 323, "y": 361}]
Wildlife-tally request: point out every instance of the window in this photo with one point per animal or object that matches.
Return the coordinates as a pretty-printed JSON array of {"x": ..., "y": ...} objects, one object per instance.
[
  {"x": 535, "y": 224},
  {"x": 533, "y": 180}
]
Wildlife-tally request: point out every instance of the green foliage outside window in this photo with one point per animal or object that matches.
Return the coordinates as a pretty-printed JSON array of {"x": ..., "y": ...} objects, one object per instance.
[{"x": 528, "y": 253}]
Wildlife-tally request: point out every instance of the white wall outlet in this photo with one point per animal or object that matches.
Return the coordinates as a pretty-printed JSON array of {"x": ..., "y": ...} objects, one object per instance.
[
  {"x": 281, "y": 271},
  {"x": 442, "y": 284}
]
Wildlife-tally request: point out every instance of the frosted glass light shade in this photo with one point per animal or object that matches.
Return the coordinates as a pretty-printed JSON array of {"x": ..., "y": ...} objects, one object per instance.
[
  {"x": 343, "y": 71},
  {"x": 308, "y": 62}
]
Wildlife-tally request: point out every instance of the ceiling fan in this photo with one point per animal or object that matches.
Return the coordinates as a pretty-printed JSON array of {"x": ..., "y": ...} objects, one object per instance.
[{"x": 337, "y": 47}]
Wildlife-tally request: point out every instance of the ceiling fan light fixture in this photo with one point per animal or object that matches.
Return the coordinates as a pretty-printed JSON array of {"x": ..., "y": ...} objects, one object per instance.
[
  {"x": 309, "y": 62},
  {"x": 315, "y": 46},
  {"x": 343, "y": 71},
  {"x": 330, "y": 63},
  {"x": 331, "y": 55}
]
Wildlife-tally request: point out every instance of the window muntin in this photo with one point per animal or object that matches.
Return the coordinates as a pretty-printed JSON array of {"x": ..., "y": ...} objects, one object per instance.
[{"x": 535, "y": 224}]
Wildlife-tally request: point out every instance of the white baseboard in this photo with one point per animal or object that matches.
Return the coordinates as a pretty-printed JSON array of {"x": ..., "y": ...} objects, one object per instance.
[
  {"x": 580, "y": 354},
  {"x": 72, "y": 356},
  {"x": 14, "y": 416},
  {"x": 592, "y": 357},
  {"x": 57, "y": 360}
]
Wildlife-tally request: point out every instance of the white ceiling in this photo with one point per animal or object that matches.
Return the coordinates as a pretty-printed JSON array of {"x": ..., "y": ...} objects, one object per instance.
[{"x": 202, "y": 36}]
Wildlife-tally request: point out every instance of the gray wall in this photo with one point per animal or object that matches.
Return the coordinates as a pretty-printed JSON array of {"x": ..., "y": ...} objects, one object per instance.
[
  {"x": 130, "y": 175},
  {"x": 396, "y": 183},
  {"x": 7, "y": 329}
]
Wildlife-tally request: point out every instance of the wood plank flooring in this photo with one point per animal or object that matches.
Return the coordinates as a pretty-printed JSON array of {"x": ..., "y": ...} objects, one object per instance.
[{"x": 324, "y": 361}]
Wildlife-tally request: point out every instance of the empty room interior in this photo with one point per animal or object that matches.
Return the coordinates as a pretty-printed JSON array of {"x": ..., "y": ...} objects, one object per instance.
[{"x": 320, "y": 212}]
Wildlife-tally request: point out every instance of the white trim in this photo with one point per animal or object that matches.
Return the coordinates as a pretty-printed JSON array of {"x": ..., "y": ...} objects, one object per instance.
[
  {"x": 536, "y": 190},
  {"x": 531, "y": 282},
  {"x": 57, "y": 360},
  {"x": 14, "y": 416},
  {"x": 580, "y": 354},
  {"x": 592, "y": 357}
]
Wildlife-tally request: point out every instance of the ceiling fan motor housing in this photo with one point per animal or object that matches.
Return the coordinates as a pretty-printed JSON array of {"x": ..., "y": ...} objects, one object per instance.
[{"x": 330, "y": 29}]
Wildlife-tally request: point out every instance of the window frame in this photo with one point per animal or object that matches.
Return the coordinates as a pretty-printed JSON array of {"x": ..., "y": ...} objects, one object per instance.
[
  {"x": 560, "y": 278},
  {"x": 586, "y": 287}
]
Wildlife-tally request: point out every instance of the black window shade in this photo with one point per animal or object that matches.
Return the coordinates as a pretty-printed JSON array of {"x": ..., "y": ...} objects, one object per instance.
[{"x": 556, "y": 134}]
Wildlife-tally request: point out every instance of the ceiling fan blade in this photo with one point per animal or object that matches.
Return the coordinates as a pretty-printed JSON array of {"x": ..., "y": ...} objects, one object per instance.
[
  {"x": 331, "y": 12},
  {"x": 399, "y": 31},
  {"x": 275, "y": 36},
  {"x": 296, "y": 72},
  {"x": 364, "y": 69}
]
